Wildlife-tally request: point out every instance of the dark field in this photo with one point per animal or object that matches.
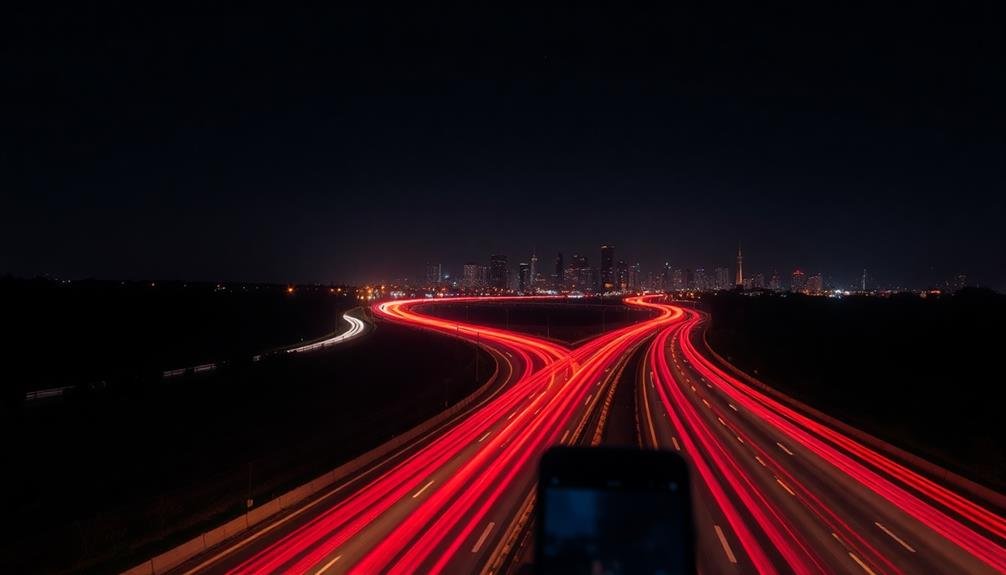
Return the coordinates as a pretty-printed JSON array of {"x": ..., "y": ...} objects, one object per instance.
[
  {"x": 569, "y": 321},
  {"x": 101, "y": 334},
  {"x": 922, "y": 374},
  {"x": 110, "y": 478}
]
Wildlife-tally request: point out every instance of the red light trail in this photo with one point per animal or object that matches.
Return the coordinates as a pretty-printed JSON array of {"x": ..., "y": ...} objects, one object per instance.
[{"x": 446, "y": 504}]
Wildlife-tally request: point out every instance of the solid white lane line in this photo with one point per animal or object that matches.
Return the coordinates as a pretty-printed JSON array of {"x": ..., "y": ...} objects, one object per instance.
[
  {"x": 726, "y": 546},
  {"x": 861, "y": 564},
  {"x": 649, "y": 416},
  {"x": 483, "y": 438},
  {"x": 783, "y": 447},
  {"x": 784, "y": 486},
  {"x": 674, "y": 440},
  {"x": 895, "y": 537},
  {"x": 482, "y": 539},
  {"x": 326, "y": 566},
  {"x": 425, "y": 487}
]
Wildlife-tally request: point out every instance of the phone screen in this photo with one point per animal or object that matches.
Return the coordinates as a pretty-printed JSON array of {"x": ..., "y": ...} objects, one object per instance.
[{"x": 614, "y": 512}]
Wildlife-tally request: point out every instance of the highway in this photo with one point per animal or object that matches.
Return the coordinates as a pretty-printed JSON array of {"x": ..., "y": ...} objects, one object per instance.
[
  {"x": 779, "y": 491},
  {"x": 447, "y": 502},
  {"x": 356, "y": 327},
  {"x": 775, "y": 490}
]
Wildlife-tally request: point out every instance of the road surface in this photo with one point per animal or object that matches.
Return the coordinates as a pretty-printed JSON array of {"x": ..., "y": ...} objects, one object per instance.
[
  {"x": 781, "y": 492},
  {"x": 776, "y": 491}
]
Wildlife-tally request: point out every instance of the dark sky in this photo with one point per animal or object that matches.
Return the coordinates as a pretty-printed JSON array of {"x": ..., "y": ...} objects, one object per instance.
[{"x": 297, "y": 144}]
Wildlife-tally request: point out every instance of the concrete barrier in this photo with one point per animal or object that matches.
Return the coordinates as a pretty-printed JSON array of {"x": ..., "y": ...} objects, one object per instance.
[
  {"x": 264, "y": 511},
  {"x": 225, "y": 531},
  {"x": 215, "y": 536},
  {"x": 178, "y": 555},
  {"x": 145, "y": 568}
]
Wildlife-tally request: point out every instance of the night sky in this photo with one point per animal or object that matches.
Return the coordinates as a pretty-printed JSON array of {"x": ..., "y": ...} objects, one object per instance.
[{"x": 295, "y": 144}]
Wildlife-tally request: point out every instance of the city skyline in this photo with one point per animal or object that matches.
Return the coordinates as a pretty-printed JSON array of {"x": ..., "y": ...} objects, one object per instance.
[
  {"x": 582, "y": 273},
  {"x": 407, "y": 152}
]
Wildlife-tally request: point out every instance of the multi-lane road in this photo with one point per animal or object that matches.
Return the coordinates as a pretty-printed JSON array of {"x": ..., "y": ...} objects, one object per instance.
[
  {"x": 779, "y": 491},
  {"x": 775, "y": 490}
]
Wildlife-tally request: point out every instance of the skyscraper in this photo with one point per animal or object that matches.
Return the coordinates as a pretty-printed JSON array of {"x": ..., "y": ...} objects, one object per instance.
[
  {"x": 557, "y": 273},
  {"x": 607, "y": 268},
  {"x": 621, "y": 276},
  {"x": 815, "y": 284},
  {"x": 701, "y": 280},
  {"x": 524, "y": 278},
  {"x": 578, "y": 274},
  {"x": 677, "y": 279},
  {"x": 434, "y": 273},
  {"x": 798, "y": 282},
  {"x": 775, "y": 283},
  {"x": 498, "y": 271},
  {"x": 740, "y": 267},
  {"x": 722, "y": 278},
  {"x": 635, "y": 277},
  {"x": 533, "y": 277},
  {"x": 470, "y": 275}
]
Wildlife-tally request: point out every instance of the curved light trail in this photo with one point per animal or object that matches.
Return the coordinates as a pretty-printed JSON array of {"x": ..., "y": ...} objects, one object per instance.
[
  {"x": 776, "y": 491},
  {"x": 818, "y": 510},
  {"x": 356, "y": 327}
]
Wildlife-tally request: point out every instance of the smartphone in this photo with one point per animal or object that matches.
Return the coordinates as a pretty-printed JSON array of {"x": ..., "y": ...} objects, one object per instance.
[{"x": 613, "y": 511}]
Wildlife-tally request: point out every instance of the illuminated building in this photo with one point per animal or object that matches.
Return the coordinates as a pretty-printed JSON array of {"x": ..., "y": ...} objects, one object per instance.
[
  {"x": 815, "y": 284},
  {"x": 473, "y": 275},
  {"x": 579, "y": 276},
  {"x": 498, "y": 271},
  {"x": 523, "y": 278},
  {"x": 775, "y": 282},
  {"x": 798, "y": 282},
  {"x": 558, "y": 282},
  {"x": 533, "y": 277},
  {"x": 701, "y": 279},
  {"x": 434, "y": 273},
  {"x": 608, "y": 278},
  {"x": 621, "y": 276},
  {"x": 722, "y": 278},
  {"x": 677, "y": 279},
  {"x": 740, "y": 268}
]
